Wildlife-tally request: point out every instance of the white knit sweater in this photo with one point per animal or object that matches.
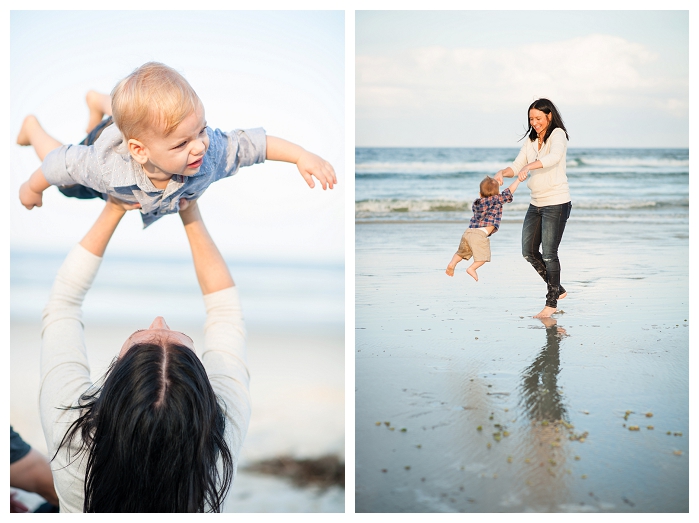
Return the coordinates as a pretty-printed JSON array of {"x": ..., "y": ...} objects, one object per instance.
[
  {"x": 549, "y": 186},
  {"x": 65, "y": 371}
]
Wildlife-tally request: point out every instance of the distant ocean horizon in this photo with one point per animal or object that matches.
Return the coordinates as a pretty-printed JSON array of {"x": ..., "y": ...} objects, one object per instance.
[
  {"x": 439, "y": 183},
  {"x": 138, "y": 288}
]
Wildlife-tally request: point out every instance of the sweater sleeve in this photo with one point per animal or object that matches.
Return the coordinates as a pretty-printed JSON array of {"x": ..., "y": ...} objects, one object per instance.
[
  {"x": 65, "y": 371},
  {"x": 559, "y": 144},
  {"x": 224, "y": 358},
  {"x": 521, "y": 159}
]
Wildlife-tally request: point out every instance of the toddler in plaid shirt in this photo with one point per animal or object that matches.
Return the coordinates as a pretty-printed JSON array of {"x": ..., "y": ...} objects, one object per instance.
[{"x": 487, "y": 213}]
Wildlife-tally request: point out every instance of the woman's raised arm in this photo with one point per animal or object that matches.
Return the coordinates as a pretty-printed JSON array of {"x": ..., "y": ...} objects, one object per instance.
[
  {"x": 97, "y": 238},
  {"x": 212, "y": 271},
  {"x": 65, "y": 370}
]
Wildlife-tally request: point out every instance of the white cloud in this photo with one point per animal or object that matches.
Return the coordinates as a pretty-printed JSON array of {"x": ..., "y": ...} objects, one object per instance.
[{"x": 592, "y": 71}]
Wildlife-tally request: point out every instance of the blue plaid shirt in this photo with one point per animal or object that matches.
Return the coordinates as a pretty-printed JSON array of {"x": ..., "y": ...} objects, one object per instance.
[
  {"x": 488, "y": 211},
  {"x": 107, "y": 167}
]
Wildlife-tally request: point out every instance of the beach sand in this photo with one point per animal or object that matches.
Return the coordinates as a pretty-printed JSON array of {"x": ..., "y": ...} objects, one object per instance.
[
  {"x": 297, "y": 389},
  {"x": 465, "y": 403}
]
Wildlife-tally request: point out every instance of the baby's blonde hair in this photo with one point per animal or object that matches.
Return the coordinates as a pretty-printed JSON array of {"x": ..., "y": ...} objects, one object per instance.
[
  {"x": 153, "y": 97},
  {"x": 489, "y": 187}
]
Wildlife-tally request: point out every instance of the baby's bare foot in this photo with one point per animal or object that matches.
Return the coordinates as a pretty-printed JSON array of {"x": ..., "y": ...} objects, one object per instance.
[
  {"x": 546, "y": 312},
  {"x": 450, "y": 271},
  {"x": 96, "y": 104},
  {"x": 472, "y": 272},
  {"x": 28, "y": 123}
]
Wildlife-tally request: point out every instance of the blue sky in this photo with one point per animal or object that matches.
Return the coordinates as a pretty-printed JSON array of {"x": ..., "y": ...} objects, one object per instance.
[
  {"x": 466, "y": 78},
  {"x": 283, "y": 71}
]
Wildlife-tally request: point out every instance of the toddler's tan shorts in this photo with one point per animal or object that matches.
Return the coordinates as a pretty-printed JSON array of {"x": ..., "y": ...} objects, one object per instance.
[{"x": 475, "y": 242}]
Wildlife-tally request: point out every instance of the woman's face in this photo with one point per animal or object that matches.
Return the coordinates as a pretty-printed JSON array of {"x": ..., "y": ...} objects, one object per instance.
[
  {"x": 158, "y": 332},
  {"x": 539, "y": 120}
]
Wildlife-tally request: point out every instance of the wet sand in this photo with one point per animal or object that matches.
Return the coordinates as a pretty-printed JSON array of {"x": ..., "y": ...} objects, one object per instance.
[
  {"x": 465, "y": 403},
  {"x": 297, "y": 389}
]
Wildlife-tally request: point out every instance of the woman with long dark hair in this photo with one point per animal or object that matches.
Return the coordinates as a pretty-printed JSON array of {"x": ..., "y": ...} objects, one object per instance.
[
  {"x": 161, "y": 431},
  {"x": 543, "y": 155}
]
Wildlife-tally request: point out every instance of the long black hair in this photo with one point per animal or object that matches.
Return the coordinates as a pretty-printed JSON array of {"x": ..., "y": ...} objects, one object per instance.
[
  {"x": 153, "y": 434},
  {"x": 546, "y": 107}
]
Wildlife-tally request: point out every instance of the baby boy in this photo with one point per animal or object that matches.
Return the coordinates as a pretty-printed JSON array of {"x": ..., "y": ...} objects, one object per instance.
[
  {"x": 159, "y": 153},
  {"x": 487, "y": 213}
]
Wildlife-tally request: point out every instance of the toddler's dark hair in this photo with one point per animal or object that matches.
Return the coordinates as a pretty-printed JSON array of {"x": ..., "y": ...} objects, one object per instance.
[{"x": 489, "y": 187}]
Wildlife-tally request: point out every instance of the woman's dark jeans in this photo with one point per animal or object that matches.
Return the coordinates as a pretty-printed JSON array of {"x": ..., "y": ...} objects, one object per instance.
[{"x": 544, "y": 226}]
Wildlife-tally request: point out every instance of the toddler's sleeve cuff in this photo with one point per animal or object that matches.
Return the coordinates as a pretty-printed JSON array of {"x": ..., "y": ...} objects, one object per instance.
[{"x": 54, "y": 167}]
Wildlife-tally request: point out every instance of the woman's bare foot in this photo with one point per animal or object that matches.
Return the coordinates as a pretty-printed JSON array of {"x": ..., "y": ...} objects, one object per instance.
[
  {"x": 548, "y": 321},
  {"x": 563, "y": 295},
  {"x": 450, "y": 271},
  {"x": 99, "y": 105},
  {"x": 29, "y": 123},
  {"x": 546, "y": 312},
  {"x": 472, "y": 273}
]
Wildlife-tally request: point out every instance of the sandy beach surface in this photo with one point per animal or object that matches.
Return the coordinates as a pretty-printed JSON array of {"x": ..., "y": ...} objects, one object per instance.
[
  {"x": 297, "y": 388},
  {"x": 465, "y": 403}
]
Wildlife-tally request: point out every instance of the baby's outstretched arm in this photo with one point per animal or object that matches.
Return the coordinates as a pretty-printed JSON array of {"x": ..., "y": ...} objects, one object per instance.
[
  {"x": 513, "y": 186},
  {"x": 308, "y": 164},
  {"x": 31, "y": 191}
]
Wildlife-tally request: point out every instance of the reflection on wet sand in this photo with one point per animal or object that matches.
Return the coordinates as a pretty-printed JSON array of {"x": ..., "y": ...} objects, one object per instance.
[
  {"x": 540, "y": 395},
  {"x": 544, "y": 447}
]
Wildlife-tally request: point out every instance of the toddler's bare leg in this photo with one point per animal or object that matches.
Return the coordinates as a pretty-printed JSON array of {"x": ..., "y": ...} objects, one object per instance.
[
  {"x": 472, "y": 269},
  {"x": 99, "y": 105},
  {"x": 452, "y": 264},
  {"x": 33, "y": 134}
]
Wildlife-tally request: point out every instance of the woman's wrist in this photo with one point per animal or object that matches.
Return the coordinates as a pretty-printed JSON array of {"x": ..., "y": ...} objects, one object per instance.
[
  {"x": 97, "y": 238},
  {"x": 114, "y": 210},
  {"x": 190, "y": 213}
]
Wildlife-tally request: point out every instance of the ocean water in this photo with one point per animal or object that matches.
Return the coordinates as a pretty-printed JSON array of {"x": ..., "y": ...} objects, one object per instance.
[
  {"x": 136, "y": 289},
  {"x": 440, "y": 184}
]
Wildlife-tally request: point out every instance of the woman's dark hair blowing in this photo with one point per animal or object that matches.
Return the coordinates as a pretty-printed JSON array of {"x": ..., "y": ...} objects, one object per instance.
[
  {"x": 153, "y": 434},
  {"x": 546, "y": 107}
]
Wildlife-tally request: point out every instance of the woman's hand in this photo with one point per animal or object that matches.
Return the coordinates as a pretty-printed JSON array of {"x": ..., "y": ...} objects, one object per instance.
[
  {"x": 189, "y": 210},
  {"x": 529, "y": 167},
  {"x": 507, "y": 172},
  {"x": 120, "y": 205},
  {"x": 186, "y": 204}
]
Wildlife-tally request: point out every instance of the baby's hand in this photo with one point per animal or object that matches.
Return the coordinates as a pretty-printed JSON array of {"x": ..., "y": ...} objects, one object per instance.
[
  {"x": 310, "y": 165},
  {"x": 30, "y": 198}
]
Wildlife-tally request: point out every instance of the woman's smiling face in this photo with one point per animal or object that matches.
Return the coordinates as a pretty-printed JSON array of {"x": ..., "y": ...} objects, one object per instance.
[{"x": 539, "y": 120}]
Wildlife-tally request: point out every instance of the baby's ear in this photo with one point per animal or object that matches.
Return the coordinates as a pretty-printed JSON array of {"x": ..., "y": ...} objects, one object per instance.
[{"x": 138, "y": 151}]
